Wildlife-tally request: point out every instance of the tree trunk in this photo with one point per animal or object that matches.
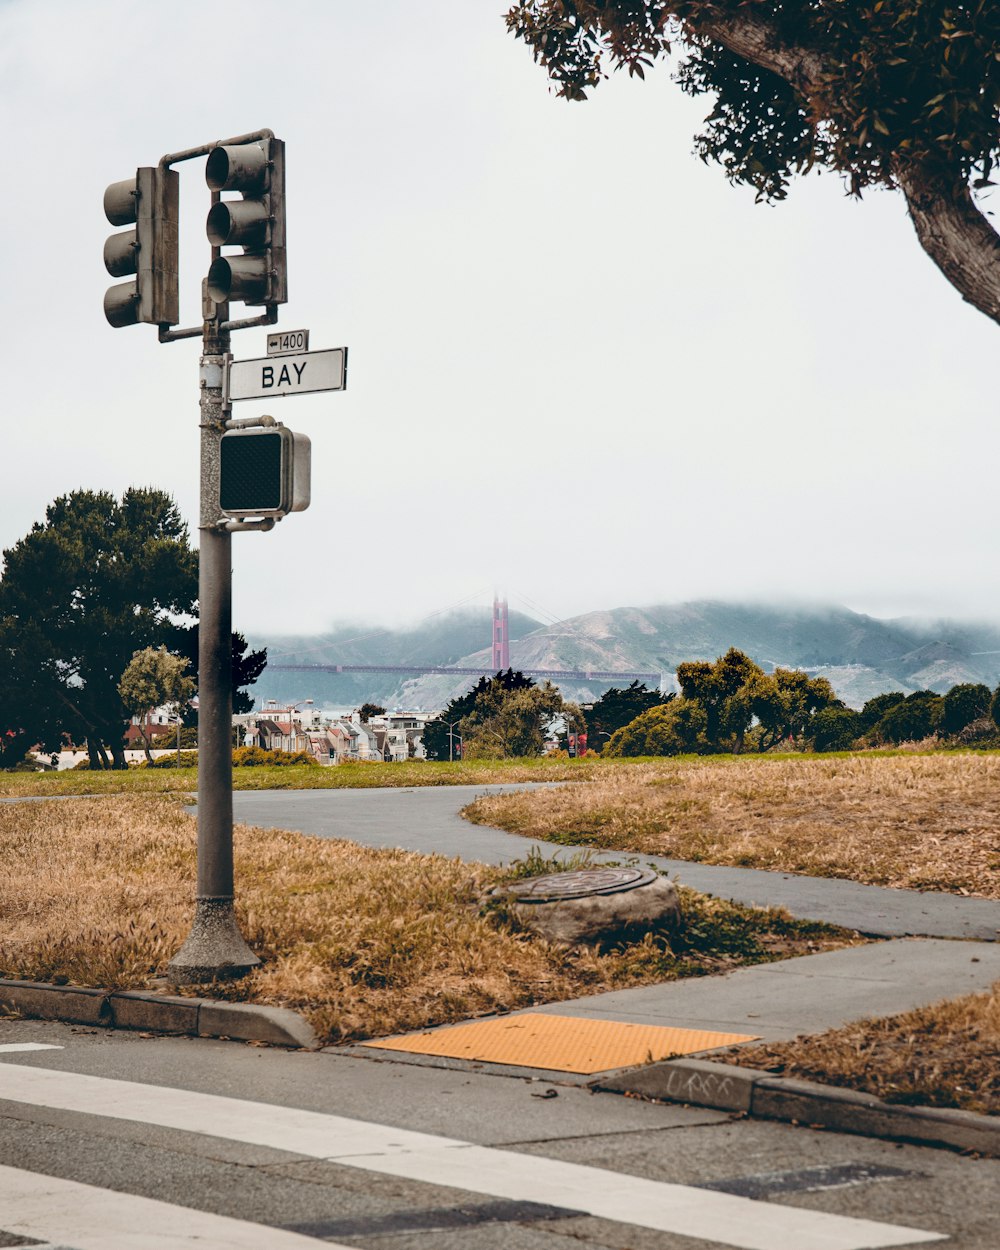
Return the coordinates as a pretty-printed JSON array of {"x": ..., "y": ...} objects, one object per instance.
[
  {"x": 95, "y": 751},
  {"x": 118, "y": 751}
]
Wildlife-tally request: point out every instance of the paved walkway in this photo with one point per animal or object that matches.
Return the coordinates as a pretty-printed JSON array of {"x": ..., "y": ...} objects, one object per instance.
[
  {"x": 427, "y": 819},
  {"x": 776, "y": 1001},
  {"x": 805, "y": 995}
]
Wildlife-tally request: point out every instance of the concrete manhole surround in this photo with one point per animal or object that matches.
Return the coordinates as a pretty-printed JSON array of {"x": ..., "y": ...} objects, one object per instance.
[
  {"x": 581, "y": 883},
  {"x": 593, "y": 905}
]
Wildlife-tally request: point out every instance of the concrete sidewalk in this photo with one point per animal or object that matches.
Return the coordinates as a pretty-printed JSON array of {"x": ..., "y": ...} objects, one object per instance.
[
  {"x": 808, "y": 994},
  {"x": 428, "y": 820}
]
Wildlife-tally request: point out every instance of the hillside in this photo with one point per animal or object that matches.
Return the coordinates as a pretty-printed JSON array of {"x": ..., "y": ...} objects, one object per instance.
[
  {"x": 446, "y": 639},
  {"x": 860, "y": 655}
]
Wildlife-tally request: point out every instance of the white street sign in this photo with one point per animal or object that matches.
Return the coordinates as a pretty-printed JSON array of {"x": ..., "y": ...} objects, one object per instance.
[
  {"x": 297, "y": 374},
  {"x": 286, "y": 342}
]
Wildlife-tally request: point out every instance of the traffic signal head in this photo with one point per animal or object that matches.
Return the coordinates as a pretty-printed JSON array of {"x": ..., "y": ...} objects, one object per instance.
[
  {"x": 255, "y": 222},
  {"x": 149, "y": 203},
  {"x": 264, "y": 471}
]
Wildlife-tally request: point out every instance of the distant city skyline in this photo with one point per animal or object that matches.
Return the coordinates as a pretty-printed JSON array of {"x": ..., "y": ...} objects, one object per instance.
[{"x": 583, "y": 367}]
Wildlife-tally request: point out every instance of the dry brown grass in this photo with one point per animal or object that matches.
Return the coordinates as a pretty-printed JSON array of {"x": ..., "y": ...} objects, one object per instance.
[
  {"x": 919, "y": 821},
  {"x": 365, "y": 942},
  {"x": 940, "y": 1056}
]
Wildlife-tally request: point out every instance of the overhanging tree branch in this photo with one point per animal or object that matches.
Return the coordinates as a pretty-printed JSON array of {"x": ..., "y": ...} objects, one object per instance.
[
  {"x": 955, "y": 235},
  {"x": 897, "y": 94}
]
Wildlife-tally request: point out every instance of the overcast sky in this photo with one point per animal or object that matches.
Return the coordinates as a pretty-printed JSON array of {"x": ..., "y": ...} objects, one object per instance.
[{"x": 583, "y": 368}]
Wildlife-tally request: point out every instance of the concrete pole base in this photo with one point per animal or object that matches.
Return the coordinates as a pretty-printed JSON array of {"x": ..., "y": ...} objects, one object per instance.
[{"x": 215, "y": 949}]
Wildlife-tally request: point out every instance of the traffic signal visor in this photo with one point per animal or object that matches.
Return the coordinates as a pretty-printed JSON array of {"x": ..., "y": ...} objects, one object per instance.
[
  {"x": 255, "y": 222},
  {"x": 149, "y": 203}
]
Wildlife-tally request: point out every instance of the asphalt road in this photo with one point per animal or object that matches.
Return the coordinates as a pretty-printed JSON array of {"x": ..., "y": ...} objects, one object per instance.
[{"x": 122, "y": 1142}]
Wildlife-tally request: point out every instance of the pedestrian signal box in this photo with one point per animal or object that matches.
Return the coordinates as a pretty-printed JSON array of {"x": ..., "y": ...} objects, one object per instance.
[{"x": 264, "y": 471}]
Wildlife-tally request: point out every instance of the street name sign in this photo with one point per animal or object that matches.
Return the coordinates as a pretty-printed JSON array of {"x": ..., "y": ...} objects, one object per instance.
[
  {"x": 283, "y": 342},
  {"x": 299, "y": 373}
]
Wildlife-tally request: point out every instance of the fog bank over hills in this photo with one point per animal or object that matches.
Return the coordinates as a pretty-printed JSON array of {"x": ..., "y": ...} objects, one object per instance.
[{"x": 860, "y": 655}]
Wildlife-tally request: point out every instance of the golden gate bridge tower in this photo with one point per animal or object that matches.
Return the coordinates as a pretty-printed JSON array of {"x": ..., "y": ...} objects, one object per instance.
[{"x": 501, "y": 635}]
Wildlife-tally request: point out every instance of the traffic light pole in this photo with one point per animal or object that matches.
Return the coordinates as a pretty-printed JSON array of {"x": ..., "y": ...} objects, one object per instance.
[
  {"x": 214, "y": 949},
  {"x": 252, "y": 165}
]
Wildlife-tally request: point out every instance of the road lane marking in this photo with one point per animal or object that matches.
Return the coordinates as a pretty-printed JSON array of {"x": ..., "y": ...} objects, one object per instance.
[
  {"x": 12, "y": 1046},
  {"x": 86, "y": 1217},
  {"x": 681, "y": 1209}
]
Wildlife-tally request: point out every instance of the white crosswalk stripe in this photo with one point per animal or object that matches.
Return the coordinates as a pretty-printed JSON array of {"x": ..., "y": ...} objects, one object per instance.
[
  {"x": 744, "y": 1223},
  {"x": 23, "y": 1046},
  {"x": 71, "y": 1216}
]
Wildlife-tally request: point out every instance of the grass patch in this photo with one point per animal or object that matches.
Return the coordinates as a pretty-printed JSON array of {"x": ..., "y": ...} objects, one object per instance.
[
  {"x": 165, "y": 780},
  {"x": 920, "y": 821},
  {"x": 365, "y": 942},
  {"x": 944, "y": 1055}
]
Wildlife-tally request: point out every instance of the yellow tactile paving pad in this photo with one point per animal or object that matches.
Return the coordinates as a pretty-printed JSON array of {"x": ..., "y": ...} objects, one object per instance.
[{"x": 559, "y": 1043}]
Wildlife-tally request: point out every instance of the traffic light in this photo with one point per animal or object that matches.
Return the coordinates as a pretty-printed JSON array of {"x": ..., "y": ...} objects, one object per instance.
[
  {"x": 264, "y": 471},
  {"x": 255, "y": 222},
  {"x": 149, "y": 202}
]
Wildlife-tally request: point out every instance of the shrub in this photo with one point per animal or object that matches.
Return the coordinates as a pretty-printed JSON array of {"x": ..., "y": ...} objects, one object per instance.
[
  {"x": 677, "y": 728},
  {"x": 835, "y": 729},
  {"x": 29, "y": 764},
  {"x": 915, "y": 718},
  {"x": 243, "y": 757},
  {"x": 188, "y": 759},
  {"x": 964, "y": 704},
  {"x": 876, "y": 708},
  {"x": 254, "y": 757},
  {"x": 980, "y": 733}
]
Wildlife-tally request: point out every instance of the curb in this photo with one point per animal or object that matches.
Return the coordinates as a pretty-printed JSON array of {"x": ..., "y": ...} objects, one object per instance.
[
  {"x": 726, "y": 1087},
  {"x": 159, "y": 1013}
]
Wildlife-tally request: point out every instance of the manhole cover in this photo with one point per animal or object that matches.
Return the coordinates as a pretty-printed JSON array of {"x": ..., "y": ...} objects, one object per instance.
[{"x": 580, "y": 884}]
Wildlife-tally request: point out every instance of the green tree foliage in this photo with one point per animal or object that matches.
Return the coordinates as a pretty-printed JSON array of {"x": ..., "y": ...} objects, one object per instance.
[
  {"x": 368, "y": 710},
  {"x": 247, "y": 666},
  {"x": 835, "y": 728},
  {"x": 675, "y": 728},
  {"x": 915, "y": 718},
  {"x": 876, "y": 708},
  {"x": 730, "y": 694},
  {"x": 722, "y": 690},
  {"x": 895, "y": 93},
  {"x": 616, "y": 708},
  {"x": 505, "y": 724},
  {"x": 100, "y": 579},
  {"x": 435, "y": 737},
  {"x": 154, "y": 677},
  {"x": 784, "y": 702},
  {"x": 962, "y": 705}
]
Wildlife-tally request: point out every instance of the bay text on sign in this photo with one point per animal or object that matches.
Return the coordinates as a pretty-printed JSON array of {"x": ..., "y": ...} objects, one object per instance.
[{"x": 299, "y": 374}]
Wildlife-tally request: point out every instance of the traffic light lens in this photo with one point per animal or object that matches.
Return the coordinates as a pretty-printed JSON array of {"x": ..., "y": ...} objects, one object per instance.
[
  {"x": 240, "y": 168},
  {"x": 119, "y": 202},
  {"x": 121, "y": 305},
  {"x": 220, "y": 279},
  {"x": 250, "y": 473},
  {"x": 238, "y": 278},
  {"x": 120, "y": 253},
  {"x": 237, "y": 221}
]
